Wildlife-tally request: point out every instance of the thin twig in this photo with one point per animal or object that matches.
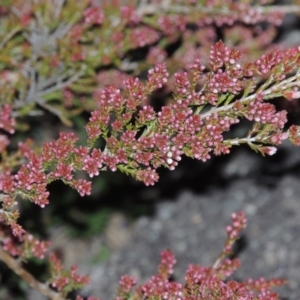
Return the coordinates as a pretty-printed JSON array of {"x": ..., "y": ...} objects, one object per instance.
[
  {"x": 57, "y": 8},
  {"x": 246, "y": 140},
  {"x": 9, "y": 36},
  {"x": 61, "y": 85},
  {"x": 161, "y": 8},
  {"x": 15, "y": 266}
]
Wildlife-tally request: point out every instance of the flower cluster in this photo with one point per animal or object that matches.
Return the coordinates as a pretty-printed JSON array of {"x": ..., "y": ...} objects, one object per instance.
[
  {"x": 7, "y": 122},
  {"x": 167, "y": 263},
  {"x": 65, "y": 280},
  {"x": 202, "y": 283},
  {"x": 139, "y": 140},
  {"x": 142, "y": 36},
  {"x": 34, "y": 247},
  {"x": 23, "y": 245},
  {"x": 93, "y": 15},
  {"x": 126, "y": 284}
]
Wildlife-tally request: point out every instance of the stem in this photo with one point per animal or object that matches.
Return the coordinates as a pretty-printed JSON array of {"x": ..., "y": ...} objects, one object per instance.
[
  {"x": 15, "y": 266},
  {"x": 246, "y": 140},
  {"x": 58, "y": 7},
  {"x": 218, "y": 260},
  {"x": 9, "y": 36},
  {"x": 161, "y": 8},
  {"x": 284, "y": 84}
]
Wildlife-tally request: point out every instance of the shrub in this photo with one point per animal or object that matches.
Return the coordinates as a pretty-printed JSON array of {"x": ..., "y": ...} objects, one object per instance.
[{"x": 70, "y": 57}]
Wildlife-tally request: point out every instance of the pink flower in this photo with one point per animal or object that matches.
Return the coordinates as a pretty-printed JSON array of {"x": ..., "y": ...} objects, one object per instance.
[{"x": 270, "y": 150}]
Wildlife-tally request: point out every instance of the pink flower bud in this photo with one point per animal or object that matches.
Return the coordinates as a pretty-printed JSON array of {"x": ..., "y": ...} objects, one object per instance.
[{"x": 270, "y": 150}]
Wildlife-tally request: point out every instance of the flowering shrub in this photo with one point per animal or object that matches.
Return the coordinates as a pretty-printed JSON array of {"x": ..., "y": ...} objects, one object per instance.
[
  {"x": 67, "y": 57},
  {"x": 201, "y": 282}
]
